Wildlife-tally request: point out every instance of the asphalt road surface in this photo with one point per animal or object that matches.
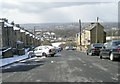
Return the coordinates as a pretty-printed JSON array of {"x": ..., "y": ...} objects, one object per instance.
[{"x": 66, "y": 66}]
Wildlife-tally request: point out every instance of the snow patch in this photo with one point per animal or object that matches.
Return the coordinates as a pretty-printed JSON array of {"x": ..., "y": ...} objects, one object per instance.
[{"x": 15, "y": 58}]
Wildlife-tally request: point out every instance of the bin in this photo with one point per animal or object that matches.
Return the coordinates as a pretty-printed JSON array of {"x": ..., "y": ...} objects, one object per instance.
[{"x": 21, "y": 51}]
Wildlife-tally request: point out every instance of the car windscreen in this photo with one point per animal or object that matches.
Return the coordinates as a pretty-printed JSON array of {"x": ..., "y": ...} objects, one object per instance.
[
  {"x": 98, "y": 45},
  {"x": 117, "y": 43}
]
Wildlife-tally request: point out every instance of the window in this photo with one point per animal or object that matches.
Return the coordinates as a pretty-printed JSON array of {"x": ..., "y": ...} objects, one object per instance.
[
  {"x": 108, "y": 45},
  {"x": 116, "y": 43},
  {"x": 97, "y": 45},
  {"x": 105, "y": 45},
  {"x": 36, "y": 49},
  {"x": 40, "y": 48}
]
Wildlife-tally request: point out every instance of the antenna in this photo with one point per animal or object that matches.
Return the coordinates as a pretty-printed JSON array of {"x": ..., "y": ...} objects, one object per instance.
[{"x": 97, "y": 29}]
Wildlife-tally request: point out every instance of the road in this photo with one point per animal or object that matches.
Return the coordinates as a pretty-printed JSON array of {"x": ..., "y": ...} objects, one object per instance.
[{"x": 66, "y": 66}]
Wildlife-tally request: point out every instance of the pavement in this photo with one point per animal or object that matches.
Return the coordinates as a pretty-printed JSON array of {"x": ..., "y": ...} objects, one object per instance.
[{"x": 15, "y": 58}]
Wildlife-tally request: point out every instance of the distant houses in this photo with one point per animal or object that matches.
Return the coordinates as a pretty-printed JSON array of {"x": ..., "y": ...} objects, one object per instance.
[
  {"x": 46, "y": 35},
  {"x": 109, "y": 38},
  {"x": 13, "y": 36},
  {"x": 94, "y": 33}
]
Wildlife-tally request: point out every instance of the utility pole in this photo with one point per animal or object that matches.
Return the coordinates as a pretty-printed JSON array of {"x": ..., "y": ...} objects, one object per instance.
[
  {"x": 80, "y": 32},
  {"x": 34, "y": 37},
  {"x": 34, "y": 30},
  {"x": 97, "y": 30},
  {"x": 118, "y": 33}
]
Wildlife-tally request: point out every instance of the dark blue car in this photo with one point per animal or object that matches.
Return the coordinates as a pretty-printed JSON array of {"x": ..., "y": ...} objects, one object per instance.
[
  {"x": 94, "y": 49},
  {"x": 111, "y": 50}
]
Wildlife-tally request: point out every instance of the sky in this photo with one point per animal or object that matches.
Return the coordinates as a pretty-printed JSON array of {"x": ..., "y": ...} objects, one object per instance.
[{"x": 59, "y": 11}]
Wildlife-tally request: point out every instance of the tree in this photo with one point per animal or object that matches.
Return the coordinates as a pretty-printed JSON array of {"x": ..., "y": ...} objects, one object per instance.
[{"x": 46, "y": 42}]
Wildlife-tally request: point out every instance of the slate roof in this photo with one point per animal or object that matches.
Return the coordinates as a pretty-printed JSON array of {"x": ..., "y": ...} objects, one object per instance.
[{"x": 92, "y": 25}]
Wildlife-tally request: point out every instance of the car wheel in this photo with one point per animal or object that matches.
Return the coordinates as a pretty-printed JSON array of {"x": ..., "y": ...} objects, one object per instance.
[
  {"x": 44, "y": 54},
  {"x": 111, "y": 56},
  {"x": 52, "y": 55},
  {"x": 100, "y": 56},
  {"x": 90, "y": 53}
]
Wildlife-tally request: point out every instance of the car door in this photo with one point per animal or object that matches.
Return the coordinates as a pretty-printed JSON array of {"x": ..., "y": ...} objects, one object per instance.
[
  {"x": 38, "y": 51},
  {"x": 108, "y": 48},
  {"x": 104, "y": 49}
]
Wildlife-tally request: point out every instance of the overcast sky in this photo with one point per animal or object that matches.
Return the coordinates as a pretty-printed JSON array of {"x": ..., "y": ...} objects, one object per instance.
[{"x": 55, "y": 11}]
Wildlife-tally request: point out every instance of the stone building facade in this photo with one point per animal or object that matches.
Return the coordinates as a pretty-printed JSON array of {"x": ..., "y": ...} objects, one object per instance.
[
  {"x": 11, "y": 35},
  {"x": 94, "y": 33}
]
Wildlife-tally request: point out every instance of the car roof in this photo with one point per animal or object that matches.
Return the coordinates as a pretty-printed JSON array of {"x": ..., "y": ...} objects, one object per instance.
[
  {"x": 96, "y": 43},
  {"x": 115, "y": 40},
  {"x": 44, "y": 46}
]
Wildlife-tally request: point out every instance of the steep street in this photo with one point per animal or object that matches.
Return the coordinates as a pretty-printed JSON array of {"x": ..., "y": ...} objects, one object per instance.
[{"x": 66, "y": 66}]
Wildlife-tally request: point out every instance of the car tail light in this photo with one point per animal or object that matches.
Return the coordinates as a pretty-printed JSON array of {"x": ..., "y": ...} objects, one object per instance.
[
  {"x": 118, "y": 50},
  {"x": 50, "y": 50},
  {"x": 94, "y": 49}
]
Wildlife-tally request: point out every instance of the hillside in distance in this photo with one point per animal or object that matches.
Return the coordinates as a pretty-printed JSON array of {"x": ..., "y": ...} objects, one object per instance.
[
  {"x": 52, "y": 26},
  {"x": 64, "y": 29}
]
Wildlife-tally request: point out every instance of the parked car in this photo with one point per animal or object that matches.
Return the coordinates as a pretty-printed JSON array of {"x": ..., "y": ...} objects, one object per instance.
[
  {"x": 15, "y": 51},
  {"x": 94, "y": 49},
  {"x": 58, "y": 49},
  {"x": 31, "y": 52},
  {"x": 111, "y": 50},
  {"x": 45, "y": 50},
  {"x": 70, "y": 48}
]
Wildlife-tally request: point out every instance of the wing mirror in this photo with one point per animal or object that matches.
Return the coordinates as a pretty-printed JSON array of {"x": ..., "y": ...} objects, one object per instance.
[{"x": 103, "y": 47}]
